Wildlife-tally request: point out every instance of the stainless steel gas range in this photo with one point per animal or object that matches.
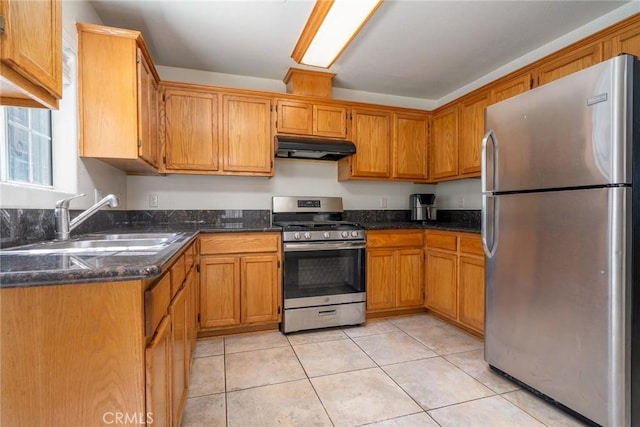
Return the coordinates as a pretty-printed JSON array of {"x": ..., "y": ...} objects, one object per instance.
[{"x": 324, "y": 264}]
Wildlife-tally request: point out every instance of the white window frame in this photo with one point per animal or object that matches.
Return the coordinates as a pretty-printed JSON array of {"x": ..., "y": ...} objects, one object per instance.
[
  {"x": 4, "y": 153},
  {"x": 64, "y": 123}
]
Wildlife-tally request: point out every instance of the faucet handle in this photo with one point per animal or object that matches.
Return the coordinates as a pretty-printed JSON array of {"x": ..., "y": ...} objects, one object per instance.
[{"x": 64, "y": 203}]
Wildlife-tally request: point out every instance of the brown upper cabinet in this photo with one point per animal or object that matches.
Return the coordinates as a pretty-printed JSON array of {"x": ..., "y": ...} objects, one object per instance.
[
  {"x": 118, "y": 86},
  {"x": 191, "y": 137},
  {"x": 511, "y": 87},
  {"x": 208, "y": 131},
  {"x": 213, "y": 130},
  {"x": 306, "y": 118},
  {"x": 31, "y": 53},
  {"x": 570, "y": 63},
  {"x": 444, "y": 144},
  {"x": 390, "y": 145},
  {"x": 410, "y": 135},
  {"x": 472, "y": 129},
  {"x": 627, "y": 41},
  {"x": 371, "y": 133},
  {"x": 247, "y": 139}
]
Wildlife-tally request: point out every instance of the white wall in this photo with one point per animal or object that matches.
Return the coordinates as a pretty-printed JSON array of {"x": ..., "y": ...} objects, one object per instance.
[
  {"x": 459, "y": 194},
  {"x": 292, "y": 178},
  {"x": 71, "y": 175}
]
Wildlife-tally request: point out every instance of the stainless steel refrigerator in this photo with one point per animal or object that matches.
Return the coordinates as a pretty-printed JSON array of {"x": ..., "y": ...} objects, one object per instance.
[{"x": 560, "y": 221}]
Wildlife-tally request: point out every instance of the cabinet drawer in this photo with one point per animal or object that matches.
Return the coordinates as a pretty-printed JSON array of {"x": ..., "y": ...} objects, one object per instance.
[
  {"x": 395, "y": 239},
  {"x": 178, "y": 273},
  {"x": 442, "y": 241},
  {"x": 471, "y": 245},
  {"x": 239, "y": 243},
  {"x": 156, "y": 303}
]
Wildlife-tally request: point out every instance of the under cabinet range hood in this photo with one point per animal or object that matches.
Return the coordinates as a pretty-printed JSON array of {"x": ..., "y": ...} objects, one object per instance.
[{"x": 296, "y": 147}]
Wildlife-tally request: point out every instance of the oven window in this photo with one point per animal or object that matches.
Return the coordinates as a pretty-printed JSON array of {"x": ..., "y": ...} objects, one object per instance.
[{"x": 317, "y": 273}]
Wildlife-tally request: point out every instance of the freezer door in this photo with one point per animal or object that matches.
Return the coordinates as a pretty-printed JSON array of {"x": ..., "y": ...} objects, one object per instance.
[
  {"x": 558, "y": 299},
  {"x": 572, "y": 132}
]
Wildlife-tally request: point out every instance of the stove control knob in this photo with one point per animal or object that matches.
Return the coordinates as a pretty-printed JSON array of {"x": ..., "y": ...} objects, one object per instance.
[
  {"x": 354, "y": 234},
  {"x": 326, "y": 234},
  {"x": 296, "y": 236},
  {"x": 345, "y": 234},
  {"x": 307, "y": 235}
]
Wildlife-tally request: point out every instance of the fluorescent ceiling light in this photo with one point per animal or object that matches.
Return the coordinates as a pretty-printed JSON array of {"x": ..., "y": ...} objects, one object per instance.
[{"x": 329, "y": 29}]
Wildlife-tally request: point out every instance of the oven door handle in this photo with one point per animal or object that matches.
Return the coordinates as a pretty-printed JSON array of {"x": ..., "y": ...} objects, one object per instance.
[{"x": 323, "y": 246}]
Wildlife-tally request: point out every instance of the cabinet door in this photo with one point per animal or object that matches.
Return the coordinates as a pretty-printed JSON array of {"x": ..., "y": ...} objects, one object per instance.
[
  {"x": 32, "y": 43},
  {"x": 191, "y": 130},
  {"x": 219, "y": 291},
  {"x": 158, "y": 367},
  {"x": 410, "y": 146},
  {"x": 627, "y": 42},
  {"x": 178, "y": 311},
  {"x": 147, "y": 112},
  {"x": 247, "y": 142},
  {"x": 294, "y": 117},
  {"x": 471, "y": 292},
  {"x": 189, "y": 289},
  {"x": 410, "y": 278},
  {"x": 511, "y": 87},
  {"x": 330, "y": 120},
  {"x": 441, "y": 282},
  {"x": 260, "y": 288},
  {"x": 107, "y": 92},
  {"x": 472, "y": 130},
  {"x": 371, "y": 132},
  {"x": 444, "y": 144},
  {"x": 381, "y": 279},
  {"x": 576, "y": 61}
]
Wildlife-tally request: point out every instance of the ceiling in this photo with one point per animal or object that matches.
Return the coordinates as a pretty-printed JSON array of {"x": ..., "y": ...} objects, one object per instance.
[{"x": 421, "y": 49}]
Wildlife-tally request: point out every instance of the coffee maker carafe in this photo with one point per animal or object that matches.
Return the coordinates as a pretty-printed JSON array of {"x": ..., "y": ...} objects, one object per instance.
[{"x": 422, "y": 207}]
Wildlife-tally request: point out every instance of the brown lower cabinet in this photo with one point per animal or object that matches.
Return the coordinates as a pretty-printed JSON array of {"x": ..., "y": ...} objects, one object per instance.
[
  {"x": 239, "y": 279},
  {"x": 395, "y": 269},
  {"x": 94, "y": 354},
  {"x": 455, "y": 278}
]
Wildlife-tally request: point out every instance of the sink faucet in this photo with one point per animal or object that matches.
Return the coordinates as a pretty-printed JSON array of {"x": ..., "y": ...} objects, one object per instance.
[{"x": 64, "y": 226}]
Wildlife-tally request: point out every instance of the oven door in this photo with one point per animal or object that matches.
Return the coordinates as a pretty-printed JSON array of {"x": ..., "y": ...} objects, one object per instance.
[{"x": 322, "y": 273}]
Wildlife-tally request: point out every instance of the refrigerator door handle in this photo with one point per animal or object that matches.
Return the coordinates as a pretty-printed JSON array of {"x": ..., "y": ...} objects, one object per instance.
[
  {"x": 488, "y": 225},
  {"x": 488, "y": 164}
]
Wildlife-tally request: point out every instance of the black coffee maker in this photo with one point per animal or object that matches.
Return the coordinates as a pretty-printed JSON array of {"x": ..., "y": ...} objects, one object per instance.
[{"x": 422, "y": 207}]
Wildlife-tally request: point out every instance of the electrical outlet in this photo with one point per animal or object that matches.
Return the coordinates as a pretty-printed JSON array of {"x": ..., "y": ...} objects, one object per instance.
[
  {"x": 97, "y": 195},
  {"x": 153, "y": 200},
  {"x": 383, "y": 202},
  {"x": 460, "y": 202}
]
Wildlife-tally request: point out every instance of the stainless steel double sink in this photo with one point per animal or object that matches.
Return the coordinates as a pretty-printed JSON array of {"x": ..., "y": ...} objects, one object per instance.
[{"x": 99, "y": 243}]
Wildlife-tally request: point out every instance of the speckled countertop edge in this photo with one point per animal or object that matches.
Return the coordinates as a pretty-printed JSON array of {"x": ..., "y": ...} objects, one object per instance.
[
  {"x": 444, "y": 226},
  {"x": 12, "y": 275},
  {"x": 150, "y": 267}
]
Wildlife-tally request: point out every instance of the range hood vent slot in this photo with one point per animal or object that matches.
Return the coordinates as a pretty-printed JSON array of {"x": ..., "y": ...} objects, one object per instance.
[{"x": 310, "y": 148}]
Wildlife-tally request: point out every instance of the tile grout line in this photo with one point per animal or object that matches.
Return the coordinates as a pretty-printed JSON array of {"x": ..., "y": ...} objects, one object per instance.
[
  {"x": 226, "y": 396},
  {"x": 443, "y": 357},
  {"x": 324, "y": 408},
  {"x": 392, "y": 380},
  {"x": 375, "y": 365}
]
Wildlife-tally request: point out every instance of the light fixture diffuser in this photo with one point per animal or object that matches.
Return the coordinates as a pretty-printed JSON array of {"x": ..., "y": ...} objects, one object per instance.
[{"x": 329, "y": 29}]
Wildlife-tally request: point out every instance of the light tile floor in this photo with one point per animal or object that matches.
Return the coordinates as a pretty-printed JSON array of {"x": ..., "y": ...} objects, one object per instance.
[{"x": 405, "y": 371}]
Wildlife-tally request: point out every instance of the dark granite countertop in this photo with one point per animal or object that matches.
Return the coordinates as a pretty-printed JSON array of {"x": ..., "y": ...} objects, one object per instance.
[
  {"x": 56, "y": 269},
  {"x": 426, "y": 225},
  {"x": 39, "y": 270}
]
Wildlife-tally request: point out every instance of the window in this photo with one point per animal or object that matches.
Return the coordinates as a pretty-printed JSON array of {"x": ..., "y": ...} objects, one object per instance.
[{"x": 28, "y": 147}]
